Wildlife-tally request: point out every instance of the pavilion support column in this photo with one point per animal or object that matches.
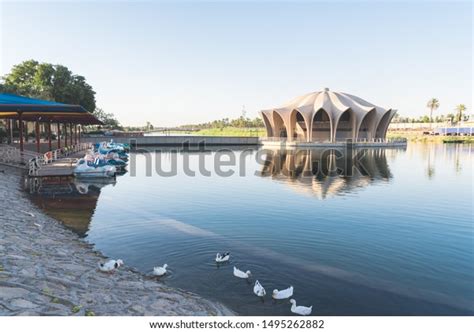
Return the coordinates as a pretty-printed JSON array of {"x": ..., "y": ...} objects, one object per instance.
[
  {"x": 9, "y": 130},
  {"x": 70, "y": 132},
  {"x": 49, "y": 136},
  {"x": 79, "y": 136},
  {"x": 59, "y": 135},
  {"x": 25, "y": 126},
  {"x": 37, "y": 130},
  {"x": 75, "y": 134},
  {"x": 21, "y": 129},
  {"x": 65, "y": 135}
]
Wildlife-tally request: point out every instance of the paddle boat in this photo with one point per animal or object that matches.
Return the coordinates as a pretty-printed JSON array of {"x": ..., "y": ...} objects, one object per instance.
[
  {"x": 111, "y": 159},
  {"x": 88, "y": 169}
]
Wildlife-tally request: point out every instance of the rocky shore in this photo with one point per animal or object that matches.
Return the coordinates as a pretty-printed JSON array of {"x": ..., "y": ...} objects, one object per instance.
[{"x": 45, "y": 269}]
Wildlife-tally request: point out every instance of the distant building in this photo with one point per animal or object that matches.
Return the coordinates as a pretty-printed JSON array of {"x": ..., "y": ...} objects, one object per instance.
[{"x": 327, "y": 116}]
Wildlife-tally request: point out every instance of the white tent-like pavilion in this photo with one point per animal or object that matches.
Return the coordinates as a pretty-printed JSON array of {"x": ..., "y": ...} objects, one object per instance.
[{"x": 327, "y": 116}]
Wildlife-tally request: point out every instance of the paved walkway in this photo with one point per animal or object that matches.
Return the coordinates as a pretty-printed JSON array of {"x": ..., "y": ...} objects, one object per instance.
[{"x": 46, "y": 269}]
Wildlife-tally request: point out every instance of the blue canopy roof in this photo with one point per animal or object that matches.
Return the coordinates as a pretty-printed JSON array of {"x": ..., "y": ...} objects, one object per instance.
[
  {"x": 37, "y": 110},
  {"x": 15, "y": 103},
  {"x": 7, "y": 98}
]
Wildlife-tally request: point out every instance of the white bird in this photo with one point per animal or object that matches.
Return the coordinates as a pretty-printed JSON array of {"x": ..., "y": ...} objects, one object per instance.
[
  {"x": 300, "y": 310},
  {"x": 111, "y": 265},
  {"x": 241, "y": 274},
  {"x": 160, "y": 270},
  {"x": 221, "y": 258},
  {"x": 283, "y": 294},
  {"x": 259, "y": 290}
]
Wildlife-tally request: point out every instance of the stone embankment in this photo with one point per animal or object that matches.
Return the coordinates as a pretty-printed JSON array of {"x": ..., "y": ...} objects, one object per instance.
[{"x": 45, "y": 269}]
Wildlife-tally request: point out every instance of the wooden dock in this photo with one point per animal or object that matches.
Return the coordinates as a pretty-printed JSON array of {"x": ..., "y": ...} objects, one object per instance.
[{"x": 62, "y": 167}]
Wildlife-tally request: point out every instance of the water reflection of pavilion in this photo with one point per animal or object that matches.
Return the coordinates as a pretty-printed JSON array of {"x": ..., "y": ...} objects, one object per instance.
[
  {"x": 326, "y": 172},
  {"x": 66, "y": 199}
]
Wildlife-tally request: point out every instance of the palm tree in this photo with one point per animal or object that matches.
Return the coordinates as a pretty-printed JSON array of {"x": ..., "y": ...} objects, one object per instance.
[
  {"x": 461, "y": 108},
  {"x": 433, "y": 104}
]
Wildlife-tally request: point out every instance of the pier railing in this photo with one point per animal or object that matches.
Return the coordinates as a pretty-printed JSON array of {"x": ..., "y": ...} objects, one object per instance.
[{"x": 35, "y": 163}]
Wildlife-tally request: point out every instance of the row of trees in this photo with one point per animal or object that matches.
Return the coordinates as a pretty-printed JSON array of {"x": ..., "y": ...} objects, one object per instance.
[
  {"x": 55, "y": 83},
  {"x": 433, "y": 104},
  {"x": 240, "y": 122}
]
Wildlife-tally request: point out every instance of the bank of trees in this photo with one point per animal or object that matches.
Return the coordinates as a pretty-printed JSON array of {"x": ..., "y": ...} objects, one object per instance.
[
  {"x": 240, "y": 122},
  {"x": 55, "y": 83}
]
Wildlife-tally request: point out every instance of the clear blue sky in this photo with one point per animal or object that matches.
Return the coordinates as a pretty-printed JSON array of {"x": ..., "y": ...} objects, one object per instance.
[{"x": 188, "y": 62}]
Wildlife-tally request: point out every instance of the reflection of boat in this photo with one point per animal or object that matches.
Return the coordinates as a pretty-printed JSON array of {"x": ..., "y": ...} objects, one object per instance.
[
  {"x": 69, "y": 200},
  {"x": 82, "y": 186},
  {"x": 326, "y": 172}
]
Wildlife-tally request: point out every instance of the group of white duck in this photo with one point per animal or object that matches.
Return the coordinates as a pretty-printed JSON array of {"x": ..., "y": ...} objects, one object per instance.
[
  {"x": 159, "y": 271},
  {"x": 112, "y": 265}
]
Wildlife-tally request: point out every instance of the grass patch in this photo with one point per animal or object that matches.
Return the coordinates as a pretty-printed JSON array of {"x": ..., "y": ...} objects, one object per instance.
[
  {"x": 90, "y": 313},
  {"x": 417, "y": 136},
  {"x": 76, "y": 309}
]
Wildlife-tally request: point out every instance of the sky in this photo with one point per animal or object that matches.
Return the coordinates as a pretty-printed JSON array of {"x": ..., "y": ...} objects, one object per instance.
[{"x": 173, "y": 63}]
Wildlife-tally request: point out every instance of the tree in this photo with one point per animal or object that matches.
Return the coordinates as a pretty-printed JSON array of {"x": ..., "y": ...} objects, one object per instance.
[
  {"x": 433, "y": 104},
  {"x": 51, "y": 82},
  {"x": 108, "y": 119},
  {"x": 461, "y": 108}
]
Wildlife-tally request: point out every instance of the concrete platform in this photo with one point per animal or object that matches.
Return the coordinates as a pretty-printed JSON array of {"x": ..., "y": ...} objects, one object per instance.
[{"x": 285, "y": 144}]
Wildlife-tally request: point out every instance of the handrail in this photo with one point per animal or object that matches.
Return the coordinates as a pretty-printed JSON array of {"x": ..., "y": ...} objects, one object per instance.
[{"x": 35, "y": 164}]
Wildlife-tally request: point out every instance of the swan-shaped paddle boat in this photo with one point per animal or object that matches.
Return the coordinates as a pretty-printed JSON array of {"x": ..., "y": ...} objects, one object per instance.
[
  {"x": 283, "y": 294},
  {"x": 160, "y": 271},
  {"x": 241, "y": 274},
  {"x": 259, "y": 290},
  {"x": 88, "y": 169},
  {"x": 300, "y": 310},
  {"x": 222, "y": 258},
  {"x": 111, "y": 265}
]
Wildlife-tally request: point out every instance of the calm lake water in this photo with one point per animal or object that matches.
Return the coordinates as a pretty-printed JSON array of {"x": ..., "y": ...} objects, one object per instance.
[{"x": 395, "y": 237}]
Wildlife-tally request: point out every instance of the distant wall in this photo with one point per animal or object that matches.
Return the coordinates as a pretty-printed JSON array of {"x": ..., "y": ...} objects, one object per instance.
[{"x": 178, "y": 140}]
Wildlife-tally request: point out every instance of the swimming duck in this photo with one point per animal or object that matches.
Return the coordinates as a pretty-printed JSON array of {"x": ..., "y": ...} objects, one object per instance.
[
  {"x": 111, "y": 265},
  {"x": 259, "y": 290},
  {"x": 300, "y": 310},
  {"x": 160, "y": 270},
  {"x": 221, "y": 258},
  {"x": 283, "y": 294},
  {"x": 241, "y": 274}
]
